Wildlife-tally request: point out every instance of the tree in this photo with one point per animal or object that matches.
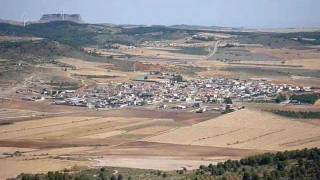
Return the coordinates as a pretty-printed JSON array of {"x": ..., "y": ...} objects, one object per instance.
[
  {"x": 120, "y": 177},
  {"x": 228, "y": 100},
  {"x": 255, "y": 176},
  {"x": 246, "y": 176},
  {"x": 281, "y": 97},
  {"x": 114, "y": 177},
  {"x": 158, "y": 173},
  {"x": 50, "y": 175},
  {"x": 202, "y": 167},
  {"x": 164, "y": 175},
  {"x": 281, "y": 165},
  {"x": 103, "y": 175},
  {"x": 267, "y": 159},
  {"x": 37, "y": 177},
  {"x": 26, "y": 177}
]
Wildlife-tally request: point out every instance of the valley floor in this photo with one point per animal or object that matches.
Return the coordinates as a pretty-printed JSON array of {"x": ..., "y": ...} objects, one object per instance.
[{"x": 34, "y": 139}]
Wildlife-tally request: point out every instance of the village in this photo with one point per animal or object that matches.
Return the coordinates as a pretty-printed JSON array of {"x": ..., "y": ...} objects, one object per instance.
[{"x": 172, "y": 93}]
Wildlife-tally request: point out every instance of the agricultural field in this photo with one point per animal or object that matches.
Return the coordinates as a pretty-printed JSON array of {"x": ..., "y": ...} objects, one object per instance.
[
  {"x": 89, "y": 139},
  {"x": 37, "y": 135},
  {"x": 291, "y": 65},
  {"x": 145, "y": 139},
  {"x": 239, "y": 130},
  {"x": 96, "y": 72}
]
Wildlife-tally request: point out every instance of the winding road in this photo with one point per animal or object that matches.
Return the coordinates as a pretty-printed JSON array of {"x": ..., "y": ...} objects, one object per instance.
[{"x": 214, "y": 51}]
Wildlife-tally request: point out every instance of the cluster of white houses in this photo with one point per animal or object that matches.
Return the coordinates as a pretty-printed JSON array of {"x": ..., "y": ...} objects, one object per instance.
[{"x": 174, "y": 94}]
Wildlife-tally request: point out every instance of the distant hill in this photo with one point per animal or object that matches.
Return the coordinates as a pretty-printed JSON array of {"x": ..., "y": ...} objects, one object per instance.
[
  {"x": 208, "y": 28},
  {"x": 245, "y": 29},
  {"x": 80, "y": 35},
  {"x": 11, "y": 22},
  {"x": 65, "y": 32},
  {"x": 32, "y": 50}
]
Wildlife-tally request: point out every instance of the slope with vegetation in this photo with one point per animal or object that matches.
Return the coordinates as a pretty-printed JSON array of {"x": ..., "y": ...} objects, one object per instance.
[
  {"x": 298, "y": 164},
  {"x": 69, "y": 33},
  {"x": 80, "y": 35}
]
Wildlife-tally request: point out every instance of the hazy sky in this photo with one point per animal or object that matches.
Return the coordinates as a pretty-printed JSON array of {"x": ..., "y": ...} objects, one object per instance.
[{"x": 235, "y": 13}]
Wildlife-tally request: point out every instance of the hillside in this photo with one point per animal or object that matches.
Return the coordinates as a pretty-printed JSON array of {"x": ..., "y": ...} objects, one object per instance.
[
  {"x": 32, "y": 50},
  {"x": 65, "y": 32},
  {"x": 299, "y": 164},
  {"x": 98, "y": 95},
  {"x": 80, "y": 35}
]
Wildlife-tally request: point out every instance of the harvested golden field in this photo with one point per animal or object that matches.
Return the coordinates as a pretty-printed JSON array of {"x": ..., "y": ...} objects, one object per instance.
[
  {"x": 288, "y": 54},
  {"x": 8, "y": 114},
  {"x": 150, "y": 130},
  {"x": 158, "y": 163},
  {"x": 15, "y": 166},
  {"x": 79, "y": 64},
  {"x": 48, "y": 141},
  {"x": 307, "y": 59},
  {"x": 71, "y": 127},
  {"x": 248, "y": 129},
  {"x": 94, "y": 138},
  {"x": 166, "y": 140},
  {"x": 306, "y": 63},
  {"x": 97, "y": 71},
  {"x": 18, "y": 106},
  {"x": 161, "y": 53}
]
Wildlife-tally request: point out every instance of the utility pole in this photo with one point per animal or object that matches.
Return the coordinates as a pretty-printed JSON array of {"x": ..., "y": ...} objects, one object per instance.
[
  {"x": 24, "y": 20},
  {"x": 134, "y": 67},
  {"x": 62, "y": 15}
]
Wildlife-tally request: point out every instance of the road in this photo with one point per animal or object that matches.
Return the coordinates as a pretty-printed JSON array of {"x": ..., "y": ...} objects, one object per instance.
[{"x": 214, "y": 51}]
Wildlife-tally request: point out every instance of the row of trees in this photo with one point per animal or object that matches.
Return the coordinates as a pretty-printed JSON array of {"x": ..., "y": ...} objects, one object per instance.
[
  {"x": 102, "y": 174},
  {"x": 300, "y": 114},
  {"x": 308, "y": 98}
]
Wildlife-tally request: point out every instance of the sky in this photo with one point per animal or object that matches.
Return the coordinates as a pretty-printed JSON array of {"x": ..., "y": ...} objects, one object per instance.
[{"x": 228, "y": 13}]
